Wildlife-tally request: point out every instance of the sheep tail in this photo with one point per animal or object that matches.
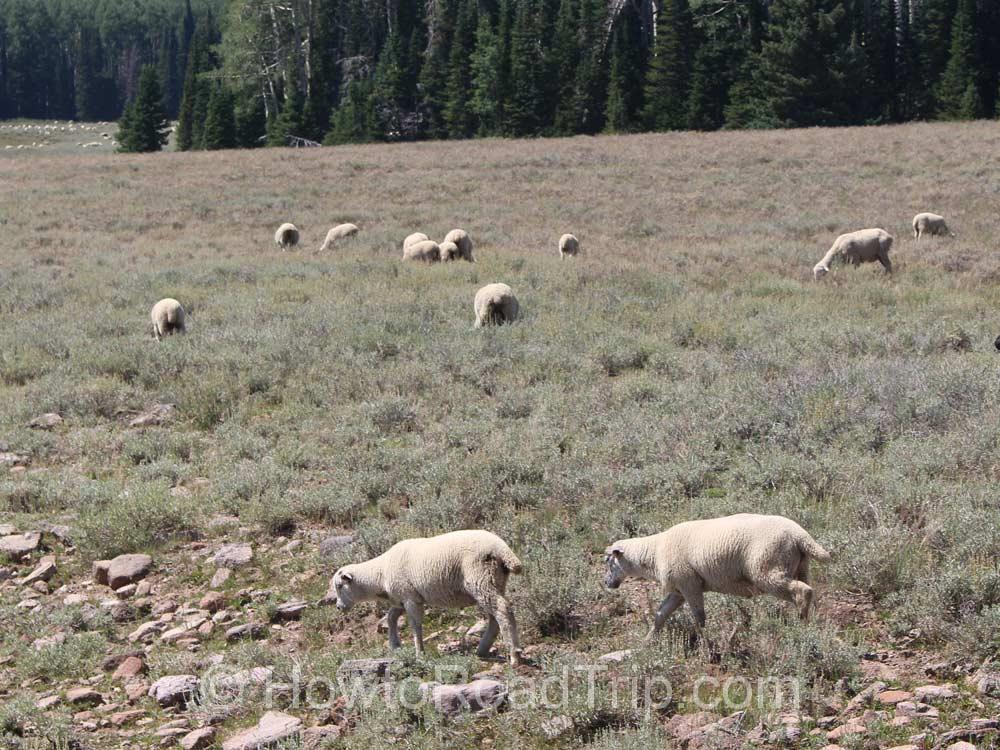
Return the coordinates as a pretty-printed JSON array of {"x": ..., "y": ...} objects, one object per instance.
[
  {"x": 811, "y": 548},
  {"x": 508, "y": 559}
]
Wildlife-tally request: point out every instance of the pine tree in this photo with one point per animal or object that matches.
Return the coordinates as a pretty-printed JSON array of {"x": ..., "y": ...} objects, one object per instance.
[
  {"x": 354, "y": 120},
  {"x": 565, "y": 60},
  {"x": 390, "y": 93},
  {"x": 196, "y": 92},
  {"x": 220, "y": 122},
  {"x": 668, "y": 79},
  {"x": 251, "y": 121},
  {"x": 485, "y": 101},
  {"x": 525, "y": 89},
  {"x": 909, "y": 86},
  {"x": 290, "y": 120},
  {"x": 591, "y": 75},
  {"x": 458, "y": 115},
  {"x": 958, "y": 92},
  {"x": 433, "y": 80},
  {"x": 144, "y": 127}
]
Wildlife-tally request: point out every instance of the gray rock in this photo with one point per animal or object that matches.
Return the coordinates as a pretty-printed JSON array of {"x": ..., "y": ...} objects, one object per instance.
[
  {"x": 15, "y": 546},
  {"x": 273, "y": 727},
  {"x": 46, "y": 421},
  {"x": 249, "y": 630},
  {"x": 377, "y": 669},
  {"x": 233, "y": 556},
  {"x": 174, "y": 690},
  {"x": 290, "y": 610},
  {"x": 155, "y": 415},
  {"x": 474, "y": 696},
  {"x": 44, "y": 571},
  {"x": 126, "y": 569},
  {"x": 333, "y": 544}
]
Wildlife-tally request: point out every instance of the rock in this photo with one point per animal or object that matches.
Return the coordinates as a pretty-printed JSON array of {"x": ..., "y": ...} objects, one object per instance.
[
  {"x": 143, "y": 588},
  {"x": 845, "y": 730},
  {"x": 12, "y": 459},
  {"x": 45, "y": 569},
  {"x": 315, "y": 737},
  {"x": 987, "y": 684},
  {"x": 916, "y": 710},
  {"x": 249, "y": 630},
  {"x": 59, "y": 531},
  {"x": 100, "y": 571},
  {"x": 233, "y": 555},
  {"x": 44, "y": 704},
  {"x": 934, "y": 693},
  {"x": 46, "y": 421},
  {"x": 40, "y": 644},
  {"x": 73, "y": 600},
  {"x": 126, "y": 569},
  {"x": 615, "y": 656},
  {"x": 377, "y": 669},
  {"x": 290, "y": 610},
  {"x": 220, "y": 578},
  {"x": 131, "y": 667},
  {"x": 474, "y": 696},
  {"x": 961, "y": 745},
  {"x": 84, "y": 696},
  {"x": 892, "y": 697},
  {"x": 174, "y": 690},
  {"x": 876, "y": 670},
  {"x": 146, "y": 631},
  {"x": 333, "y": 544},
  {"x": 127, "y": 591},
  {"x": 904, "y": 747},
  {"x": 6, "y": 529},
  {"x": 122, "y": 718},
  {"x": 558, "y": 726},
  {"x": 164, "y": 606},
  {"x": 865, "y": 696},
  {"x": 213, "y": 601},
  {"x": 155, "y": 415},
  {"x": 15, "y": 546},
  {"x": 198, "y": 739},
  {"x": 681, "y": 725},
  {"x": 273, "y": 727}
]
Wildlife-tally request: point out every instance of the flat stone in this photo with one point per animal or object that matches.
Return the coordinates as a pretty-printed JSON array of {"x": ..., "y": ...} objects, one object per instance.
[
  {"x": 233, "y": 555},
  {"x": 681, "y": 725},
  {"x": 156, "y": 415},
  {"x": 126, "y": 569},
  {"x": 15, "y": 546},
  {"x": 615, "y": 656},
  {"x": 100, "y": 571},
  {"x": 7, "y": 529},
  {"x": 145, "y": 631},
  {"x": 474, "y": 696},
  {"x": 249, "y": 630},
  {"x": 45, "y": 569},
  {"x": 127, "y": 591},
  {"x": 44, "y": 704},
  {"x": 46, "y": 421},
  {"x": 368, "y": 668},
  {"x": 933, "y": 693},
  {"x": 174, "y": 690},
  {"x": 844, "y": 730},
  {"x": 131, "y": 667},
  {"x": 213, "y": 601},
  {"x": 84, "y": 696},
  {"x": 222, "y": 575},
  {"x": 315, "y": 737},
  {"x": 333, "y": 544},
  {"x": 290, "y": 610},
  {"x": 122, "y": 718},
  {"x": 961, "y": 745},
  {"x": 273, "y": 727},
  {"x": 892, "y": 697},
  {"x": 198, "y": 739}
]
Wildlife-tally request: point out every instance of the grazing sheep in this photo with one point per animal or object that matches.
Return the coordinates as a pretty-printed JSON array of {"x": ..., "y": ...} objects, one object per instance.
[
  {"x": 495, "y": 304},
  {"x": 413, "y": 239},
  {"x": 864, "y": 246},
  {"x": 287, "y": 236},
  {"x": 449, "y": 251},
  {"x": 568, "y": 245},
  {"x": 427, "y": 250},
  {"x": 744, "y": 555},
  {"x": 930, "y": 224},
  {"x": 338, "y": 232},
  {"x": 463, "y": 241},
  {"x": 451, "y": 570},
  {"x": 167, "y": 316}
]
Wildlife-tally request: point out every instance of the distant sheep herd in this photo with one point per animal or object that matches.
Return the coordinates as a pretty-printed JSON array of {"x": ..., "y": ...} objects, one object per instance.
[{"x": 743, "y": 555}]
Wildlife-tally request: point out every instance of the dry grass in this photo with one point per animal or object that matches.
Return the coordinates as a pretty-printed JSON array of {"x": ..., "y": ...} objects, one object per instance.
[{"x": 684, "y": 366}]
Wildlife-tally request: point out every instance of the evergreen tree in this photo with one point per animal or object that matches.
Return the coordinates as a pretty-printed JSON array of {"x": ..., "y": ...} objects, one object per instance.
[
  {"x": 220, "y": 122},
  {"x": 391, "y": 97},
  {"x": 565, "y": 60},
  {"x": 932, "y": 33},
  {"x": 458, "y": 115},
  {"x": 525, "y": 89},
  {"x": 354, "y": 120},
  {"x": 433, "y": 80},
  {"x": 251, "y": 121},
  {"x": 958, "y": 92},
  {"x": 485, "y": 101},
  {"x": 668, "y": 79},
  {"x": 144, "y": 126},
  {"x": 910, "y": 94},
  {"x": 591, "y": 75},
  {"x": 196, "y": 91},
  {"x": 291, "y": 119}
]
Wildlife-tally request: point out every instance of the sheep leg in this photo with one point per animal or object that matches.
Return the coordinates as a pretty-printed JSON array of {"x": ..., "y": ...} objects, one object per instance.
[
  {"x": 695, "y": 598},
  {"x": 667, "y": 607},
  {"x": 415, "y": 616},
  {"x": 887, "y": 264},
  {"x": 802, "y": 595},
  {"x": 504, "y": 615},
  {"x": 392, "y": 619},
  {"x": 488, "y": 637}
]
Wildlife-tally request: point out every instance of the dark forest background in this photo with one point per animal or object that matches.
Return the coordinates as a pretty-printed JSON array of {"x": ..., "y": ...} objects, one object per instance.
[{"x": 253, "y": 72}]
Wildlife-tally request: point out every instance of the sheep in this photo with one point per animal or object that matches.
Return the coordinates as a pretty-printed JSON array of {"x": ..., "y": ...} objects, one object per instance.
[
  {"x": 930, "y": 224},
  {"x": 413, "y": 239},
  {"x": 427, "y": 250},
  {"x": 287, "y": 236},
  {"x": 568, "y": 245},
  {"x": 458, "y": 569},
  {"x": 167, "y": 316},
  {"x": 338, "y": 232},
  {"x": 744, "y": 555},
  {"x": 495, "y": 304},
  {"x": 464, "y": 243},
  {"x": 449, "y": 251},
  {"x": 864, "y": 246}
]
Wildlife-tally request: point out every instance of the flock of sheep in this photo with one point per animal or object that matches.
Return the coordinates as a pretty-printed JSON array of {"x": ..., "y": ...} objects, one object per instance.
[{"x": 743, "y": 555}]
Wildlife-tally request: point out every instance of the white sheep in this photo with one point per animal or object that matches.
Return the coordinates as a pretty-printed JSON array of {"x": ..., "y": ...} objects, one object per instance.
[
  {"x": 168, "y": 317},
  {"x": 449, "y": 251},
  {"x": 930, "y": 224},
  {"x": 426, "y": 250},
  {"x": 863, "y": 246},
  {"x": 744, "y": 555},
  {"x": 568, "y": 245},
  {"x": 463, "y": 241},
  {"x": 287, "y": 236},
  {"x": 495, "y": 304},
  {"x": 338, "y": 232},
  {"x": 413, "y": 239},
  {"x": 459, "y": 569}
]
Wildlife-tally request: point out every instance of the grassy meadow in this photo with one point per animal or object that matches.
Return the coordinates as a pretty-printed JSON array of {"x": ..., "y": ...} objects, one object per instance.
[{"x": 684, "y": 366}]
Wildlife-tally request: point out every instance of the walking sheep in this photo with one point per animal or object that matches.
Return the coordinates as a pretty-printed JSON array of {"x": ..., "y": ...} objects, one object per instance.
[
  {"x": 413, "y": 239},
  {"x": 287, "y": 236},
  {"x": 426, "y": 250},
  {"x": 864, "y": 246},
  {"x": 338, "y": 232},
  {"x": 495, "y": 304},
  {"x": 459, "y": 569},
  {"x": 464, "y": 243},
  {"x": 168, "y": 317},
  {"x": 568, "y": 245},
  {"x": 930, "y": 224},
  {"x": 744, "y": 555}
]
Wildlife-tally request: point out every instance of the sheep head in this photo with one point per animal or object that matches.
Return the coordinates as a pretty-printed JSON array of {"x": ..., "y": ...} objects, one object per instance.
[
  {"x": 344, "y": 591},
  {"x": 614, "y": 558}
]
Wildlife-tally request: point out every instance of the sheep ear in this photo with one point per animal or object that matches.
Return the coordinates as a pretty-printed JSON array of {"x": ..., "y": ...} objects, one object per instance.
[
  {"x": 346, "y": 577},
  {"x": 614, "y": 551}
]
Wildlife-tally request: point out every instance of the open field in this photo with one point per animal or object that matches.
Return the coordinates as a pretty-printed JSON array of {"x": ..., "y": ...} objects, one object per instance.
[{"x": 685, "y": 366}]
